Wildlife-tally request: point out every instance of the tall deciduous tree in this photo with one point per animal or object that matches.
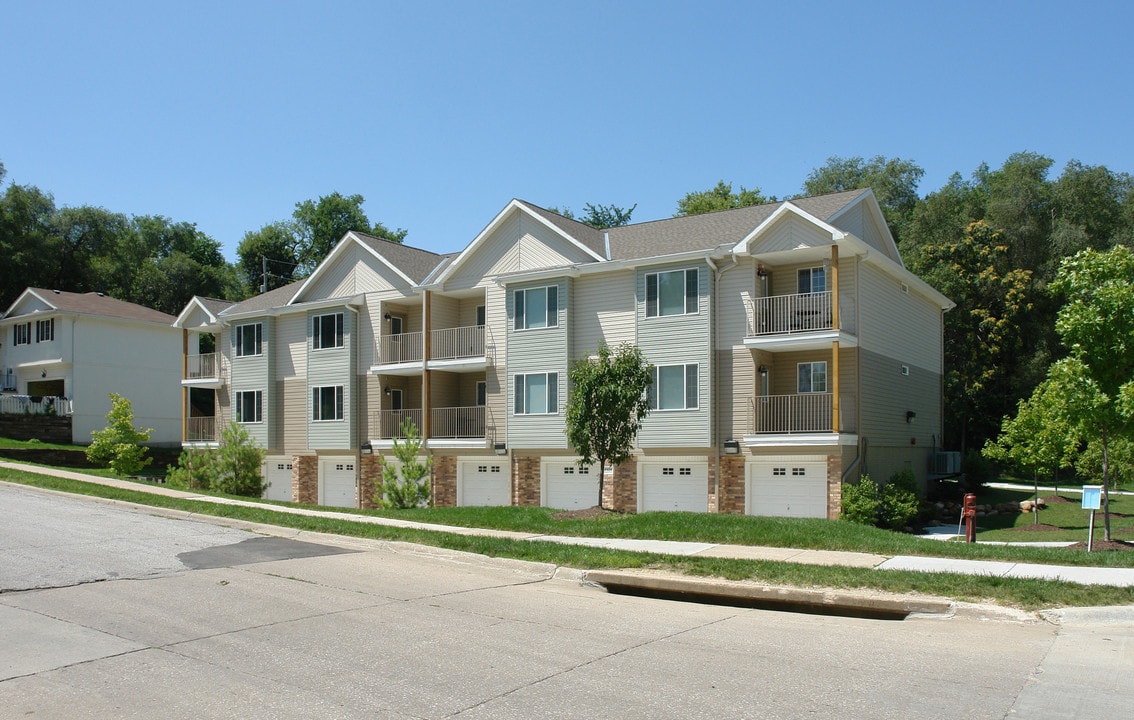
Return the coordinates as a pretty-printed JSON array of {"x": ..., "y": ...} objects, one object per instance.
[
  {"x": 720, "y": 197},
  {"x": 893, "y": 180},
  {"x": 606, "y": 406},
  {"x": 599, "y": 216}
]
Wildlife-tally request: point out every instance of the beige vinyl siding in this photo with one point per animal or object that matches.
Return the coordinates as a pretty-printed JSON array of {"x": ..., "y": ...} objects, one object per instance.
[
  {"x": 289, "y": 350},
  {"x": 443, "y": 387},
  {"x": 445, "y": 311},
  {"x": 369, "y": 402},
  {"x": 333, "y": 366},
  {"x": 736, "y": 291},
  {"x": 736, "y": 383},
  {"x": 519, "y": 243},
  {"x": 355, "y": 271},
  {"x": 542, "y": 350},
  {"x": 851, "y": 220},
  {"x": 294, "y": 415},
  {"x": 791, "y": 232},
  {"x": 252, "y": 373},
  {"x": 224, "y": 401},
  {"x": 602, "y": 310},
  {"x": 784, "y": 374},
  {"x": 466, "y": 313},
  {"x": 495, "y": 338},
  {"x": 886, "y": 397},
  {"x": 901, "y": 325},
  {"x": 678, "y": 339}
]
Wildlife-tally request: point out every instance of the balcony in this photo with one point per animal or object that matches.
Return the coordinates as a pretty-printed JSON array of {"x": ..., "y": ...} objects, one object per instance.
[
  {"x": 457, "y": 423},
  {"x": 202, "y": 370},
  {"x": 802, "y": 419},
  {"x": 387, "y": 424},
  {"x": 802, "y": 321},
  {"x": 461, "y": 349},
  {"x": 201, "y": 429},
  {"x": 450, "y": 427}
]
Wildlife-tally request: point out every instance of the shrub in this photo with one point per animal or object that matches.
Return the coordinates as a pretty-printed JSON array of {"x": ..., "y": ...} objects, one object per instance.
[
  {"x": 118, "y": 445},
  {"x": 405, "y": 485},
  {"x": 860, "y": 501},
  {"x": 233, "y": 468},
  {"x": 898, "y": 502},
  {"x": 977, "y": 470}
]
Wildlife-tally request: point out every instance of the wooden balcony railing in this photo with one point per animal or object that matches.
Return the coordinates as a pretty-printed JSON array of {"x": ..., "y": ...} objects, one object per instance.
[
  {"x": 201, "y": 429},
  {"x": 804, "y": 312},
  {"x": 802, "y": 413},
  {"x": 201, "y": 367},
  {"x": 457, "y": 422}
]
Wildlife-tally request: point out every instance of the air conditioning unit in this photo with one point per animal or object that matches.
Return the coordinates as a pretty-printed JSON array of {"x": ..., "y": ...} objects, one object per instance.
[
  {"x": 8, "y": 379},
  {"x": 946, "y": 463}
]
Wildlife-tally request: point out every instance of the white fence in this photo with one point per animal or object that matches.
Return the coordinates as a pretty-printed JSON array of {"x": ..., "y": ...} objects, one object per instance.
[{"x": 34, "y": 405}]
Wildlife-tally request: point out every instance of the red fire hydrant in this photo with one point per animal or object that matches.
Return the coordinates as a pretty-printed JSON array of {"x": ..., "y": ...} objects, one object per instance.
[{"x": 969, "y": 513}]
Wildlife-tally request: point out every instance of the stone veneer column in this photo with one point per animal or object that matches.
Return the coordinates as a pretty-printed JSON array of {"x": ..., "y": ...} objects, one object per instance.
[
  {"x": 622, "y": 494},
  {"x": 369, "y": 480},
  {"x": 443, "y": 484},
  {"x": 525, "y": 481},
  {"x": 731, "y": 491},
  {"x": 305, "y": 479},
  {"x": 834, "y": 486}
]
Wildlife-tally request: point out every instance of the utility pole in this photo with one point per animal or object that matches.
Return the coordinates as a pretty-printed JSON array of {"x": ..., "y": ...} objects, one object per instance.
[{"x": 264, "y": 283}]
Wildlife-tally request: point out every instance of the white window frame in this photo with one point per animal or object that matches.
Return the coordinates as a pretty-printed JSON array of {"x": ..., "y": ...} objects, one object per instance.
[
  {"x": 21, "y": 334},
  {"x": 257, "y": 332},
  {"x": 691, "y": 284},
  {"x": 522, "y": 319},
  {"x": 338, "y": 331},
  {"x": 521, "y": 388},
  {"x": 257, "y": 401},
  {"x": 45, "y": 330},
  {"x": 690, "y": 382},
  {"x": 810, "y": 371},
  {"x": 811, "y": 273},
  {"x": 338, "y": 396}
]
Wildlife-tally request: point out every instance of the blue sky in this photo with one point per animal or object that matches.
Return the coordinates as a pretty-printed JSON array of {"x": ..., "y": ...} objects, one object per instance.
[{"x": 228, "y": 113}]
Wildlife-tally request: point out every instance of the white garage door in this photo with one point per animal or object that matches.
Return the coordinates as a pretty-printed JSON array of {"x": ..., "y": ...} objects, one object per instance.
[
  {"x": 483, "y": 482},
  {"x": 787, "y": 487},
  {"x": 568, "y": 485},
  {"x": 674, "y": 485},
  {"x": 338, "y": 482},
  {"x": 277, "y": 473}
]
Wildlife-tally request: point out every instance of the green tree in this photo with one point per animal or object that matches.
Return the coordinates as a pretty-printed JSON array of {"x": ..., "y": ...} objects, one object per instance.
[
  {"x": 606, "y": 406},
  {"x": 233, "y": 468},
  {"x": 277, "y": 243},
  {"x": 119, "y": 444},
  {"x": 720, "y": 197},
  {"x": 28, "y": 242},
  {"x": 320, "y": 224},
  {"x": 893, "y": 180},
  {"x": 405, "y": 485}
]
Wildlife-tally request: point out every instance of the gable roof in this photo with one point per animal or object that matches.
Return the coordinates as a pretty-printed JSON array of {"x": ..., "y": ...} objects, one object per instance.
[
  {"x": 212, "y": 307},
  {"x": 592, "y": 238},
  {"x": 265, "y": 301},
  {"x": 91, "y": 303},
  {"x": 412, "y": 264}
]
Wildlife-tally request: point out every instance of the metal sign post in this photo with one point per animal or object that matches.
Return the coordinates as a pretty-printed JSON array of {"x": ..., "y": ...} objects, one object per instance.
[{"x": 1092, "y": 500}]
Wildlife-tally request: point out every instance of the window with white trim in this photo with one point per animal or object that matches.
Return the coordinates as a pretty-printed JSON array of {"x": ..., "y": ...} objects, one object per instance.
[
  {"x": 674, "y": 292},
  {"x": 249, "y": 340},
  {"x": 674, "y": 387},
  {"x": 250, "y": 406},
  {"x": 812, "y": 280},
  {"x": 536, "y": 394},
  {"x": 536, "y": 308},
  {"x": 327, "y": 403},
  {"x": 21, "y": 334},
  {"x": 327, "y": 331},
  {"x": 45, "y": 330},
  {"x": 812, "y": 377}
]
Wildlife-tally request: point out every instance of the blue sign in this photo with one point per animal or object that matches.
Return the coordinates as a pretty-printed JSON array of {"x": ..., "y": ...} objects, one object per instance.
[{"x": 1092, "y": 497}]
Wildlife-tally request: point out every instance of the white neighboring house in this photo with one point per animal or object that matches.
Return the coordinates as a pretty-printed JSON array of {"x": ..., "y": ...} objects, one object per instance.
[{"x": 83, "y": 346}]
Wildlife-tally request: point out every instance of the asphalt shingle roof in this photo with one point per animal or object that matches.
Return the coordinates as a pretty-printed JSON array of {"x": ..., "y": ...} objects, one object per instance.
[
  {"x": 416, "y": 263},
  {"x": 585, "y": 234},
  {"x": 93, "y": 303}
]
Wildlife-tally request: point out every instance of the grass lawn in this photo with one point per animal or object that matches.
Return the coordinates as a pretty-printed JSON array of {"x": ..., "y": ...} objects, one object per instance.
[
  {"x": 1062, "y": 519},
  {"x": 34, "y": 445}
]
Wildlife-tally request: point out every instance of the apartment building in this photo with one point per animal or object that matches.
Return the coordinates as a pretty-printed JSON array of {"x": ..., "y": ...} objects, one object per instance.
[{"x": 792, "y": 351}]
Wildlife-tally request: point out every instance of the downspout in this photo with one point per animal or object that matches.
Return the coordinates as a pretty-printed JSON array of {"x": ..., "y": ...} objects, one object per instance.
[{"x": 715, "y": 363}]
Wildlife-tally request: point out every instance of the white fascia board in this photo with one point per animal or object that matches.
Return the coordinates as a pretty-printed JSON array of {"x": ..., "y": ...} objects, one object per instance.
[
  {"x": 184, "y": 314},
  {"x": 338, "y": 250},
  {"x": 613, "y": 265},
  {"x": 514, "y": 205},
  {"x": 899, "y": 272},
  {"x": 744, "y": 246},
  {"x": 351, "y": 301},
  {"x": 27, "y": 291},
  {"x": 879, "y": 218}
]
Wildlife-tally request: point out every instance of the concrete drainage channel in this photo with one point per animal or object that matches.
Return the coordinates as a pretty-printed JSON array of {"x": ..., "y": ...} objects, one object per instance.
[{"x": 749, "y": 595}]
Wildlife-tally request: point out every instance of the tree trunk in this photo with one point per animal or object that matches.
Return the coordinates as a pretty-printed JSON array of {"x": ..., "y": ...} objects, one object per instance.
[
  {"x": 1035, "y": 506},
  {"x": 601, "y": 479},
  {"x": 1105, "y": 488}
]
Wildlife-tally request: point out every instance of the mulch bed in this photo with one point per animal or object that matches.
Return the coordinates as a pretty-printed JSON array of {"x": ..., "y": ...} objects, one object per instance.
[
  {"x": 1103, "y": 545},
  {"x": 1055, "y": 499},
  {"x": 590, "y": 513}
]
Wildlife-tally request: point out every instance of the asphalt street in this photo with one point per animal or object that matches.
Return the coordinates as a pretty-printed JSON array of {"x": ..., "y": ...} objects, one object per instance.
[{"x": 113, "y": 612}]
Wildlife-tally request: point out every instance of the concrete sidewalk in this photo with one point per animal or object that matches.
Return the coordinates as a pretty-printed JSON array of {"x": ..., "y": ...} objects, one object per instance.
[{"x": 1119, "y": 577}]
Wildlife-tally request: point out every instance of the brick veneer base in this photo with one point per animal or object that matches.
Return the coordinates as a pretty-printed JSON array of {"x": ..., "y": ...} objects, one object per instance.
[
  {"x": 443, "y": 485},
  {"x": 834, "y": 486},
  {"x": 525, "y": 481},
  {"x": 369, "y": 480},
  {"x": 305, "y": 479},
  {"x": 731, "y": 491}
]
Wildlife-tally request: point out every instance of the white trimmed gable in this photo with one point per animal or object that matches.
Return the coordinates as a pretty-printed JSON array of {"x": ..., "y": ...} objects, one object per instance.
[
  {"x": 864, "y": 220},
  {"x": 517, "y": 240},
  {"x": 196, "y": 316},
  {"x": 789, "y": 228},
  {"x": 28, "y": 303},
  {"x": 351, "y": 264}
]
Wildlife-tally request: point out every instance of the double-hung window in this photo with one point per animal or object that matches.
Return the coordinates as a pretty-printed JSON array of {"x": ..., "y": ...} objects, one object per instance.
[
  {"x": 671, "y": 293},
  {"x": 327, "y": 403},
  {"x": 812, "y": 377},
  {"x": 250, "y": 406},
  {"x": 674, "y": 387},
  {"x": 536, "y": 308},
  {"x": 327, "y": 331},
  {"x": 21, "y": 334},
  {"x": 45, "y": 330},
  {"x": 537, "y": 394},
  {"x": 249, "y": 339},
  {"x": 812, "y": 280}
]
